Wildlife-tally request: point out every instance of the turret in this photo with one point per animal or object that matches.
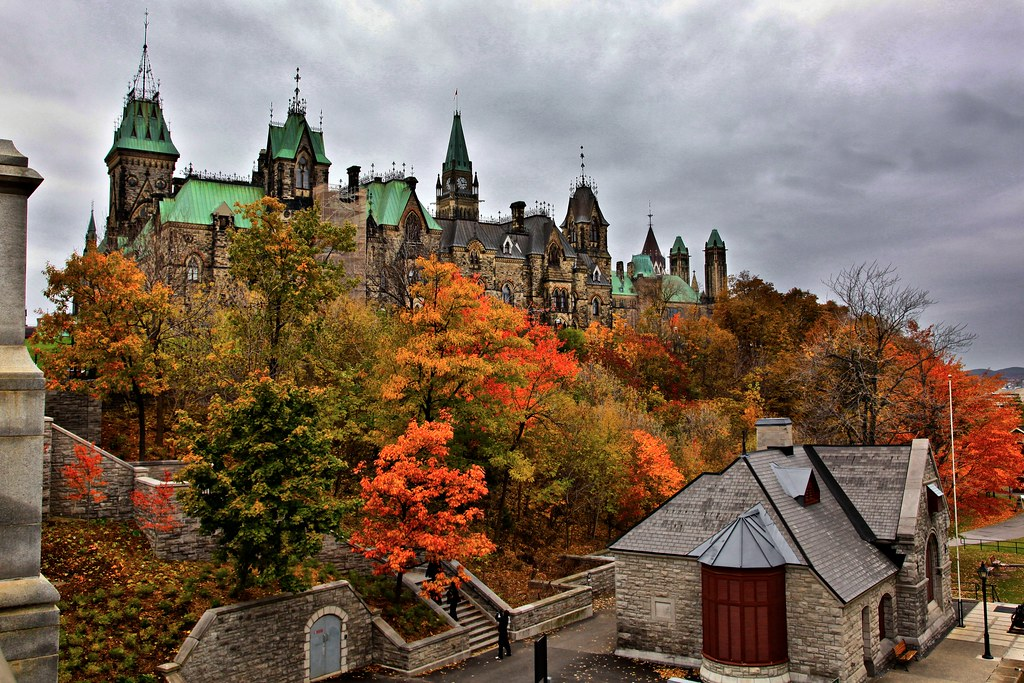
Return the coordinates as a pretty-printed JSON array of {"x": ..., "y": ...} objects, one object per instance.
[
  {"x": 141, "y": 159},
  {"x": 679, "y": 258},
  {"x": 458, "y": 191},
  {"x": 716, "y": 277}
]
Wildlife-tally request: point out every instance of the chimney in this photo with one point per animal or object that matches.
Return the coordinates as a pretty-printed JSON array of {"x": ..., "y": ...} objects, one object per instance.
[
  {"x": 353, "y": 178},
  {"x": 518, "y": 213},
  {"x": 411, "y": 182},
  {"x": 775, "y": 432}
]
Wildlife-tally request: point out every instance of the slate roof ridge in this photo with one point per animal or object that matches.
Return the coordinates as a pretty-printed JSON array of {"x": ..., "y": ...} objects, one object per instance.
[{"x": 839, "y": 493}]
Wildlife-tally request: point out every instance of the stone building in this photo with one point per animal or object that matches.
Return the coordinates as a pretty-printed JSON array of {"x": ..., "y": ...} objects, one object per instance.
[
  {"x": 177, "y": 227},
  {"x": 795, "y": 563}
]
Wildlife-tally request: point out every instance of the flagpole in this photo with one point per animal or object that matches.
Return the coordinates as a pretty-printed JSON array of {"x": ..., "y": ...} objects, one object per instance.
[{"x": 956, "y": 514}]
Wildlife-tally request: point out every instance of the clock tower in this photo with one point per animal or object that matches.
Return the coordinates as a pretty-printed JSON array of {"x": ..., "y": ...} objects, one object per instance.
[{"x": 458, "y": 190}]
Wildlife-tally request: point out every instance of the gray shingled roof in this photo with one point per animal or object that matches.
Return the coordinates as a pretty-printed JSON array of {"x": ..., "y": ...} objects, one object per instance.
[
  {"x": 821, "y": 535},
  {"x": 532, "y": 240},
  {"x": 873, "y": 479}
]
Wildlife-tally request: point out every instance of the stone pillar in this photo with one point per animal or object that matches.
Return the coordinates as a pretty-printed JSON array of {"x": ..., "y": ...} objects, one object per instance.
[{"x": 29, "y": 620}]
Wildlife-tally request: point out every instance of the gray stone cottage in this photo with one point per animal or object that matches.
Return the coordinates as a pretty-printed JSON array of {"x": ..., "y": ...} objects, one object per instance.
[{"x": 795, "y": 563}]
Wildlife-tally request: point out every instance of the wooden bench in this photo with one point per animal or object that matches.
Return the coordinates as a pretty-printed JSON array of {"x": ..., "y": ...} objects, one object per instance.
[{"x": 904, "y": 655}]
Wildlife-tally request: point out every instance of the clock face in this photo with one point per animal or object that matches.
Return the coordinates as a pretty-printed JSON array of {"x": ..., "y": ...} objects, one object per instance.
[{"x": 461, "y": 182}]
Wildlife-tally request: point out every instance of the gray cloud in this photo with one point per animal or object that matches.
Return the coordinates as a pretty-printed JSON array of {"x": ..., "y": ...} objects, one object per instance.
[{"x": 811, "y": 135}]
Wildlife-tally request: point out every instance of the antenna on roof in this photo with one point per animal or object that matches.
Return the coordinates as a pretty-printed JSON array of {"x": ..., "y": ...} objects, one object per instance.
[{"x": 650, "y": 216}]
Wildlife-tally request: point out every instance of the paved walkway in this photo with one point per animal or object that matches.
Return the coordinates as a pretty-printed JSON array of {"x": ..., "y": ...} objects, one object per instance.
[
  {"x": 1004, "y": 531},
  {"x": 957, "y": 659}
]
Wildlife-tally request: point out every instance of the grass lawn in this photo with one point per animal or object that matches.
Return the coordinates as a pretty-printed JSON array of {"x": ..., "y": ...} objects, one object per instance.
[{"x": 1006, "y": 584}]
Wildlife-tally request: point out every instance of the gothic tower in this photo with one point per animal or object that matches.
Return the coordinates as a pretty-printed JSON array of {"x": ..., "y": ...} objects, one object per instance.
[
  {"x": 458, "y": 189},
  {"x": 679, "y": 258},
  {"x": 585, "y": 226},
  {"x": 141, "y": 161},
  {"x": 294, "y": 161},
  {"x": 716, "y": 278}
]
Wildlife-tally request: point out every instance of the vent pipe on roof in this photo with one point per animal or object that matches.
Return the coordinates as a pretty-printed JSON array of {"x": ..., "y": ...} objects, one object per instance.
[{"x": 775, "y": 432}]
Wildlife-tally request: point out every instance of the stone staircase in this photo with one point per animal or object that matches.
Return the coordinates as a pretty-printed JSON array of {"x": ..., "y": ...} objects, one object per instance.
[{"x": 483, "y": 631}]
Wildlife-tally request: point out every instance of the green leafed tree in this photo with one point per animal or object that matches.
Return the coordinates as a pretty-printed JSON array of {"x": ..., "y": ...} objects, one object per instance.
[
  {"x": 262, "y": 471},
  {"x": 289, "y": 269}
]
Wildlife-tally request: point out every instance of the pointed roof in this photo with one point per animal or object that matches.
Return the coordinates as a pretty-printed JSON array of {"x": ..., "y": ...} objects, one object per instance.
[
  {"x": 90, "y": 233},
  {"x": 715, "y": 240},
  {"x": 652, "y": 249},
  {"x": 142, "y": 127},
  {"x": 752, "y": 541},
  {"x": 284, "y": 140},
  {"x": 678, "y": 247},
  {"x": 457, "y": 158}
]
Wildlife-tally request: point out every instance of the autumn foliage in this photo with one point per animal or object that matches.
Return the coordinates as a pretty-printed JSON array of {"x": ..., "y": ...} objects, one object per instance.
[
  {"x": 414, "y": 502},
  {"x": 651, "y": 476},
  {"x": 155, "y": 509},
  {"x": 85, "y": 475}
]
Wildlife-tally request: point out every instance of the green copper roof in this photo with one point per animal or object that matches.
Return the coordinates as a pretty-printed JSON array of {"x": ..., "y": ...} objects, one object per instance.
[
  {"x": 714, "y": 241},
  {"x": 675, "y": 290},
  {"x": 387, "y": 201},
  {"x": 623, "y": 287},
  {"x": 196, "y": 201},
  {"x": 642, "y": 265},
  {"x": 284, "y": 140},
  {"x": 143, "y": 128},
  {"x": 678, "y": 247},
  {"x": 457, "y": 158}
]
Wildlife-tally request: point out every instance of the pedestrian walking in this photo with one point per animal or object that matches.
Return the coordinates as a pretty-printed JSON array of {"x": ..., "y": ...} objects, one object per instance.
[
  {"x": 453, "y": 601},
  {"x": 504, "y": 648}
]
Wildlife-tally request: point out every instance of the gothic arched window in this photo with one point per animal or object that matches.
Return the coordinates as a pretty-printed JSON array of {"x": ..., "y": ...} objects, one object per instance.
[
  {"x": 302, "y": 180},
  {"x": 595, "y": 307},
  {"x": 506, "y": 293},
  {"x": 412, "y": 228},
  {"x": 594, "y": 235},
  {"x": 554, "y": 257},
  {"x": 193, "y": 269}
]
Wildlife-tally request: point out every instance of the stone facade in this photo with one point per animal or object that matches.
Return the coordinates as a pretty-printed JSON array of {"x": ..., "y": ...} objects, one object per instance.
[
  {"x": 77, "y": 413},
  {"x": 268, "y": 640}
]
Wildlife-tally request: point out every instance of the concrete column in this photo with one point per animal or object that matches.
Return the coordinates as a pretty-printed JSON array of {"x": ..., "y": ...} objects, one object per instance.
[{"x": 29, "y": 620}]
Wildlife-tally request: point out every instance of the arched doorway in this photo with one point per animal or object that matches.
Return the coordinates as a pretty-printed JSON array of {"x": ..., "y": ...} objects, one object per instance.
[{"x": 326, "y": 640}]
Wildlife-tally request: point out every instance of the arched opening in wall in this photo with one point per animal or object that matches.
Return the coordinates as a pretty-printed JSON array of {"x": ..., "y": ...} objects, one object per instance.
[
  {"x": 506, "y": 293},
  {"x": 193, "y": 269},
  {"x": 327, "y": 643},
  {"x": 885, "y": 628},
  {"x": 932, "y": 567},
  {"x": 413, "y": 226},
  {"x": 595, "y": 308},
  {"x": 302, "y": 180}
]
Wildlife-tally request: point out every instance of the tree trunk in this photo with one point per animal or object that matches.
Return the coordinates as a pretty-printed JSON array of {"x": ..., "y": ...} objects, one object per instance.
[
  {"x": 140, "y": 408},
  {"x": 398, "y": 586}
]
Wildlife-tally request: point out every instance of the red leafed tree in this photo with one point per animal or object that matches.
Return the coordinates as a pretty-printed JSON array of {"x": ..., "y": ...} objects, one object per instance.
[
  {"x": 651, "y": 476},
  {"x": 413, "y": 502},
  {"x": 155, "y": 509},
  {"x": 85, "y": 475}
]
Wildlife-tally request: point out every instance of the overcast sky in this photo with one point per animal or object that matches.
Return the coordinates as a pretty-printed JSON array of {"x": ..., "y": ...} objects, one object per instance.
[{"x": 812, "y": 135}]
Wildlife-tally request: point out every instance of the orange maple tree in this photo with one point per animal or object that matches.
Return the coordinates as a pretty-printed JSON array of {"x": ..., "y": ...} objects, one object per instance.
[
  {"x": 651, "y": 476},
  {"x": 414, "y": 502},
  {"x": 109, "y": 332},
  {"x": 84, "y": 476}
]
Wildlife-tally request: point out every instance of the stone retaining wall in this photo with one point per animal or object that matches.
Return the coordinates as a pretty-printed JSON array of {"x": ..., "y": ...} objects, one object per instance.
[
  {"x": 268, "y": 640},
  {"x": 77, "y": 413},
  {"x": 428, "y": 653},
  {"x": 118, "y": 475}
]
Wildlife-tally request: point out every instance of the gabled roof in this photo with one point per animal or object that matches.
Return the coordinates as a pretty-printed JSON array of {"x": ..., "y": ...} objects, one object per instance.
[
  {"x": 874, "y": 482},
  {"x": 823, "y": 536},
  {"x": 582, "y": 207},
  {"x": 198, "y": 200},
  {"x": 533, "y": 239},
  {"x": 143, "y": 128},
  {"x": 387, "y": 201},
  {"x": 678, "y": 247},
  {"x": 652, "y": 249},
  {"x": 283, "y": 141}
]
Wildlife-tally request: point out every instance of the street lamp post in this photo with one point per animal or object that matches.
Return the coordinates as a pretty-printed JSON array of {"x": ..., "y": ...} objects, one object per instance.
[{"x": 983, "y": 572}]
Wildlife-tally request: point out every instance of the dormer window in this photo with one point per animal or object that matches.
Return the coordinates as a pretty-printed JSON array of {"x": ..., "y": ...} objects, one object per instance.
[
  {"x": 506, "y": 248},
  {"x": 798, "y": 483},
  {"x": 596, "y": 275}
]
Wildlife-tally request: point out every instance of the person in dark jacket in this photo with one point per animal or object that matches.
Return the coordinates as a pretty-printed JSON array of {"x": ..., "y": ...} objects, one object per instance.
[
  {"x": 453, "y": 601},
  {"x": 503, "y": 645}
]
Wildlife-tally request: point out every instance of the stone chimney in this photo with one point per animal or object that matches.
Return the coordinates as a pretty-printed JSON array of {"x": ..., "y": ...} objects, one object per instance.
[
  {"x": 518, "y": 216},
  {"x": 775, "y": 432},
  {"x": 28, "y": 603},
  {"x": 353, "y": 178}
]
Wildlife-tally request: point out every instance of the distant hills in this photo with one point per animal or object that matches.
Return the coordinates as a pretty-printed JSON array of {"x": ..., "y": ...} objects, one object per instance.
[{"x": 1014, "y": 375}]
